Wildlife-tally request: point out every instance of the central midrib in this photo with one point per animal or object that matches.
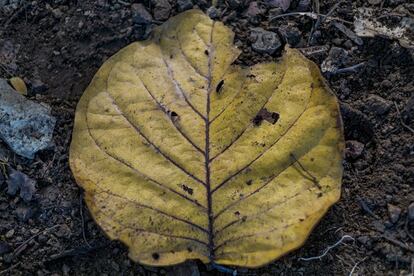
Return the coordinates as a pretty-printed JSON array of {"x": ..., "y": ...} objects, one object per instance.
[{"x": 207, "y": 153}]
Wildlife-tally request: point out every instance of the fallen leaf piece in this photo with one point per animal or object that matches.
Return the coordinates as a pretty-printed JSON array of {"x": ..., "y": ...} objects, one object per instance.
[
  {"x": 367, "y": 24},
  {"x": 19, "y": 181},
  {"x": 19, "y": 85},
  {"x": 213, "y": 184},
  {"x": 25, "y": 126}
]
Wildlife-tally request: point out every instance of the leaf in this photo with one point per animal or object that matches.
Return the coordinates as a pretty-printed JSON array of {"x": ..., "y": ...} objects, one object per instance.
[{"x": 174, "y": 165}]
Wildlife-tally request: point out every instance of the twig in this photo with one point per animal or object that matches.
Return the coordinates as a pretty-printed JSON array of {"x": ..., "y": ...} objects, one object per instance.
[
  {"x": 20, "y": 248},
  {"x": 401, "y": 120},
  {"x": 313, "y": 178},
  {"x": 10, "y": 268},
  {"x": 83, "y": 221},
  {"x": 321, "y": 19},
  {"x": 351, "y": 69},
  {"x": 398, "y": 243},
  {"x": 329, "y": 248},
  {"x": 356, "y": 265},
  {"x": 312, "y": 15}
]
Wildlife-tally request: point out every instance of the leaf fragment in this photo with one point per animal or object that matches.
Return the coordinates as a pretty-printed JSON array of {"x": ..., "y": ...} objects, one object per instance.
[{"x": 210, "y": 184}]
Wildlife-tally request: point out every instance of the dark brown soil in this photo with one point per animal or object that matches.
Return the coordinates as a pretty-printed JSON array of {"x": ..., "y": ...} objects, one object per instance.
[{"x": 60, "y": 44}]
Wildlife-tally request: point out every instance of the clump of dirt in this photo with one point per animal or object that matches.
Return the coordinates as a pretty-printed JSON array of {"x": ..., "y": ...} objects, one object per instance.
[{"x": 56, "y": 46}]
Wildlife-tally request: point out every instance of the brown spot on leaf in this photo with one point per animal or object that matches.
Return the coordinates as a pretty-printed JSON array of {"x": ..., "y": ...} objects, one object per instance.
[
  {"x": 264, "y": 114},
  {"x": 188, "y": 189}
]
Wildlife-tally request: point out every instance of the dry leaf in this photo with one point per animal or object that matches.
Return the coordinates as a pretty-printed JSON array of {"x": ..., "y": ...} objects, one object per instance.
[
  {"x": 18, "y": 85},
  {"x": 174, "y": 165}
]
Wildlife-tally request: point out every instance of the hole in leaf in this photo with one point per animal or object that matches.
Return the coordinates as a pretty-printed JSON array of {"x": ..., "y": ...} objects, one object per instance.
[{"x": 155, "y": 256}]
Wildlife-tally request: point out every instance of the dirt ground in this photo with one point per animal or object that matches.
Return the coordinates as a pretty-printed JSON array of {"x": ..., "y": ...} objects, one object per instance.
[{"x": 56, "y": 46}]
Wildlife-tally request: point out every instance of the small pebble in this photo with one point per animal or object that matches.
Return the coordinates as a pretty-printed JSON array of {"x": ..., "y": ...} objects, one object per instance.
[
  {"x": 264, "y": 42},
  {"x": 9, "y": 234},
  {"x": 394, "y": 213}
]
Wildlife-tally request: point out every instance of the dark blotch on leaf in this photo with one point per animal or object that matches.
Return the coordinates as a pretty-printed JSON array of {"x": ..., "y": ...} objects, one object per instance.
[
  {"x": 155, "y": 256},
  {"x": 264, "y": 114},
  {"x": 219, "y": 86},
  {"x": 249, "y": 182},
  {"x": 206, "y": 52},
  {"x": 188, "y": 189}
]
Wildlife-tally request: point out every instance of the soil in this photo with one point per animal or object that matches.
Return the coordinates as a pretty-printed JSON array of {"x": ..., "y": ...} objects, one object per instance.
[{"x": 56, "y": 46}]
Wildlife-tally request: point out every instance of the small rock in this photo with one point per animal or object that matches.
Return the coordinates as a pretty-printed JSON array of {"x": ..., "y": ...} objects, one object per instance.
[
  {"x": 9, "y": 234},
  {"x": 20, "y": 181},
  {"x": 26, "y": 126},
  {"x": 377, "y": 105},
  {"x": 284, "y": 4},
  {"x": 162, "y": 9},
  {"x": 264, "y": 42},
  {"x": 24, "y": 213},
  {"x": 183, "y": 5},
  {"x": 253, "y": 10},
  {"x": 394, "y": 213},
  {"x": 411, "y": 212},
  {"x": 337, "y": 58},
  {"x": 57, "y": 13},
  {"x": 186, "y": 269},
  {"x": 213, "y": 12},
  {"x": 140, "y": 15},
  {"x": 63, "y": 231},
  {"x": 38, "y": 86},
  {"x": 354, "y": 149},
  {"x": 291, "y": 34},
  {"x": 4, "y": 248}
]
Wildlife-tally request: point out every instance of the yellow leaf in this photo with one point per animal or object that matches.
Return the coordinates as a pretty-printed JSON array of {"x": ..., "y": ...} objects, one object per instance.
[
  {"x": 184, "y": 155},
  {"x": 19, "y": 85}
]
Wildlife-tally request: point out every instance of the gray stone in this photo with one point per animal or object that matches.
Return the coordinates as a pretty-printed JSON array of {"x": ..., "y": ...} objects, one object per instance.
[
  {"x": 19, "y": 181},
  {"x": 378, "y": 105},
  {"x": 25, "y": 213},
  {"x": 140, "y": 15},
  {"x": 25, "y": 126},
  {"x": 291, "y": 33},
  {"x": 264, "y": 42},
  {"x": 337, "y": 58},
  {"x": 162, "y": 9},
  {"x": 354, "y": 149},
  {"x": 284, "y": 4},
  {"x": 213, "y": 12},
  {"x": 394, "y": 213},
  {"x": 184, "y": 5}
]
